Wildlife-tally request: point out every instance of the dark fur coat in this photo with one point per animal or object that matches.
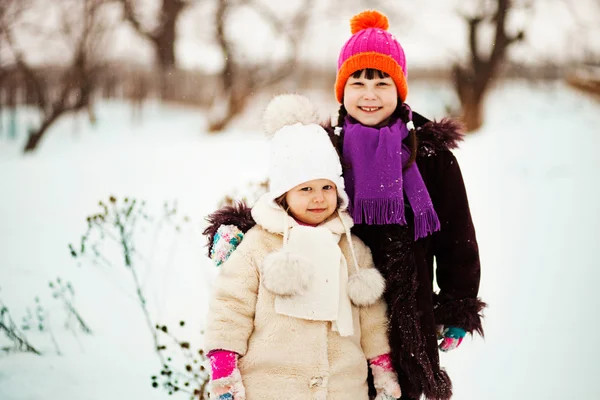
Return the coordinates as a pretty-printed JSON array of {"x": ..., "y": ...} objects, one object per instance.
[{"x": 408, "y": 265}]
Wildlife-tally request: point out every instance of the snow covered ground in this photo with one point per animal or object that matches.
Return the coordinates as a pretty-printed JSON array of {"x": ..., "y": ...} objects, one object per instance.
[{"x": 531, "y": 174}]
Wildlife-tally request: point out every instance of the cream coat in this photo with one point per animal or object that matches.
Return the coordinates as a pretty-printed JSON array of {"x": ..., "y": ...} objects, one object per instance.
[{"x": 283, "y": 357}]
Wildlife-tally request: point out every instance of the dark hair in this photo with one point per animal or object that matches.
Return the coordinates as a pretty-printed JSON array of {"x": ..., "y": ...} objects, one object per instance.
[
  {"x": 400, "y": 112},
  {"x": 282, "y": 202},
  {"x": 370, "y": 73}
]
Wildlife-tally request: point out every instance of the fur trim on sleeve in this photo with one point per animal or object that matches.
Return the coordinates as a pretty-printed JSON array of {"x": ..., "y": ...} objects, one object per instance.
[
  {"x": 238, "y": 214},
  {"x": 464, "y": 313}
]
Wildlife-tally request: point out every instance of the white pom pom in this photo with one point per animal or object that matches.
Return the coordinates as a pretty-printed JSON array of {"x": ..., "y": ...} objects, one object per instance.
[
  {"x": 288, "y": 109},
  {"x": 286, "y": 274},
  {"x": 365, "y": 287}
]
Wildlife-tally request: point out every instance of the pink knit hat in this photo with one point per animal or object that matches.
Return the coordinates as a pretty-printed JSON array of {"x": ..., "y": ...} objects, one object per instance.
[{"x": 371, "y": 46}]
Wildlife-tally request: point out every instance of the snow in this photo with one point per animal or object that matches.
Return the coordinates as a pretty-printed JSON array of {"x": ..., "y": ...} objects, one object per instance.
[{"x": 531, "y": 178}]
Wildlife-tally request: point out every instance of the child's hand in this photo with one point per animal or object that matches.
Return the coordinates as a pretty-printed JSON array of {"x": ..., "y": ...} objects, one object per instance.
[
  {"x": 226, "y": 381},
  {"x": 451, "y": 337},
  {"x": 227, "y": 238},
  {"x": 385, "y": 379}
]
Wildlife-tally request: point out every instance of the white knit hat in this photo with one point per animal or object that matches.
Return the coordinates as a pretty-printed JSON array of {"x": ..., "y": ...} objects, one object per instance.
[{"x": 301, "y": 150}]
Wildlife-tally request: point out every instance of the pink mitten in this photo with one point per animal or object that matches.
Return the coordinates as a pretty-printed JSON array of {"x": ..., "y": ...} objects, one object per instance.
[
  {"x": 385, "y": 378},
  {"x": 226, "y": 381}
]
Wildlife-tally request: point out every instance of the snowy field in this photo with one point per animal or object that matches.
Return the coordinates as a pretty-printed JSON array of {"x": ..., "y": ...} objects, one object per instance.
[{"x": 532, "y": 177}]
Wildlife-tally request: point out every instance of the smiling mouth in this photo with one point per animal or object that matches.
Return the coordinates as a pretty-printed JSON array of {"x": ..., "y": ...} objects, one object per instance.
[{"x": 369, "y": 109}]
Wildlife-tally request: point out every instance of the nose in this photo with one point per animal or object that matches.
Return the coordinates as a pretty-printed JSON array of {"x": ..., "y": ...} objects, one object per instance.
[
  {"x": 369, "y": 93},
  {"x": 318, "y": 197}
]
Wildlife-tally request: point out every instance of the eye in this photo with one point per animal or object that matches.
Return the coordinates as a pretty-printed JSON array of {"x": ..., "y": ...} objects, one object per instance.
[
  {"x": 356, "y": 83},
  {"x": 383, "y": 84},
  {"x": 327, "y": 187},
  {"x": 306, "y": 189}
]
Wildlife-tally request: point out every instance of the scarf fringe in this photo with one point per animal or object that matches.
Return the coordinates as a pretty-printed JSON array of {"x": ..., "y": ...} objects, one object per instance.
[
  {"x": 426, "y": 223},
  {"x": 391, "y": 211},
  {"x": 378, "y": 211}
]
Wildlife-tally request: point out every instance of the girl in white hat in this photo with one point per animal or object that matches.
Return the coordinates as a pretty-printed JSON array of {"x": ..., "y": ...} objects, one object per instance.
[{"x": 297, "y": 310}]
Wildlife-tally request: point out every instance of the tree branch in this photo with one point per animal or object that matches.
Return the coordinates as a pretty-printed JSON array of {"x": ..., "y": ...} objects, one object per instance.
[
  {"x": 501, "y": 40},
  {"x": 130, "y": 15},
  {"x": 473, "y": 23},
  {"x": 169, "y": 9},
  {"x": 516, "y": 38}
]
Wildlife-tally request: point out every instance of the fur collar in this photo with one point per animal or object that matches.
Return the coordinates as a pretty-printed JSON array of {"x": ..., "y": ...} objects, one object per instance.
[{"x": 436, "y": 136}]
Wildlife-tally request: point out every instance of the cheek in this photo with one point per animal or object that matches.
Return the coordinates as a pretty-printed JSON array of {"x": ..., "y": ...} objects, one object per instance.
[
  {"x": 289, "y": 199},
  {"x": 346, "y": 100},
  {"x": 297, "y": 203},
  {"x": 292, "y": 201},
  {"x": 392, "y": 100},
  {"x": 332, "y": 198},
  {"x": 349, "y": 98}
]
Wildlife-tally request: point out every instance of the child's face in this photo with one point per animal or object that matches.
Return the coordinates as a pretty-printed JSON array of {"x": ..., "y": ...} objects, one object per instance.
[
  {"x": 370, "y": 101},
  {"x": 312, "y": 202}
]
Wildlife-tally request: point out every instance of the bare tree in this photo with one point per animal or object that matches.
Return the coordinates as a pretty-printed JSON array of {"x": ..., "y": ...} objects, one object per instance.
[
  {"x": 237, "y": 80},
  {"x": 10, "y": 10},
  {"x": 82, "y": 29},
  {"x": 472, "y": 80},
  {"x": 164, "y": 35}
]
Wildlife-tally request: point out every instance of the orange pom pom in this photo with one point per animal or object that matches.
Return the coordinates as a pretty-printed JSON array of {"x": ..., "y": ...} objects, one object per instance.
[{"x": 368, "y": 19}]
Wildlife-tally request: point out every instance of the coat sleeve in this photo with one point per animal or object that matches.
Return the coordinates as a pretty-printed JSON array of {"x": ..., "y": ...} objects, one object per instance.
[
  {"x": 456, "y": 251},
  {"x": 231, "y": 310},
  {"x": 373, "y": 326},
  {"x": 373, "y": 318}
]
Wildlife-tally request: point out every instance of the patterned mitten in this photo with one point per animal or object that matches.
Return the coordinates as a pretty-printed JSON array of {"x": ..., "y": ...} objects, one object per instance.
[
  {"x": 225, "y": 379},
  {"x": 451, "y": 337},
  {"x": 225, "y": 241},
  {"x": 385, "y": 379}
]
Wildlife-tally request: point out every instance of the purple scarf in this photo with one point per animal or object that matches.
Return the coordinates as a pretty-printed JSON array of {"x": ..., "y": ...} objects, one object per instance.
[{"x": 375, "y": 182}]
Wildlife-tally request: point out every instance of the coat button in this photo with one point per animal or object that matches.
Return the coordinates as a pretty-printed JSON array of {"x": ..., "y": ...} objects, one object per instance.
[{"x": 316, "y": 381}]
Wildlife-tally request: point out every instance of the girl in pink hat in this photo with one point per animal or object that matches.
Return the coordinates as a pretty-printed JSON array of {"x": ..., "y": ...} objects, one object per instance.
[{"x": 409, "y": 204}]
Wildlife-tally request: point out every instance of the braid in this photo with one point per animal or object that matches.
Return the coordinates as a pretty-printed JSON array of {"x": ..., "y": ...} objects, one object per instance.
[
  {"x": 338, "y": 141},
  {"x": 402, "y": 112},
  {"x": 342, "y": 113}
]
